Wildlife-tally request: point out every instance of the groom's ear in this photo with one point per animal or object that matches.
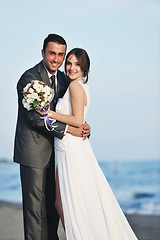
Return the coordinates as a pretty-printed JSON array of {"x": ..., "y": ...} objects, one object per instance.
[{"x": 42, "y": 51}]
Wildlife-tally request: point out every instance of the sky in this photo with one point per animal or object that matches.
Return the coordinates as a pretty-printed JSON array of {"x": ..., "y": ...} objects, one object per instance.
[{"x": 122, "y": 38}]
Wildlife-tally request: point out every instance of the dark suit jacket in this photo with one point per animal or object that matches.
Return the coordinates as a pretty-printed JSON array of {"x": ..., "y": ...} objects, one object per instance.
[{"x": 33, "y": 142}]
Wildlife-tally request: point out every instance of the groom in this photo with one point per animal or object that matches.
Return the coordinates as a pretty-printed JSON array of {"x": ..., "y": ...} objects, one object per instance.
[{"x": 34, "y": 145}]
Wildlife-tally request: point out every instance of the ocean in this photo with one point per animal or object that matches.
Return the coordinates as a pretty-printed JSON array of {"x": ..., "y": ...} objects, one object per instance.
[{"x": 136, "y": 184}]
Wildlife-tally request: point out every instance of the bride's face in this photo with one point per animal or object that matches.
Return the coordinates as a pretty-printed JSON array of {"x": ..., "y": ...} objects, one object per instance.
[{"x": 73, "y": 68}]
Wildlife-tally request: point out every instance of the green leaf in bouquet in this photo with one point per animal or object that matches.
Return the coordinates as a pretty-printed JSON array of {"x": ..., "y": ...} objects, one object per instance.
[
  {"x": 35, "y": 103},
  {"x": 32, "y": 83}
]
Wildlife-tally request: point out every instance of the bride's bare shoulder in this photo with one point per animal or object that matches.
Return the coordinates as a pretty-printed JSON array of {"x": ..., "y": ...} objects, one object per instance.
[{"x": 75, "y": 85}]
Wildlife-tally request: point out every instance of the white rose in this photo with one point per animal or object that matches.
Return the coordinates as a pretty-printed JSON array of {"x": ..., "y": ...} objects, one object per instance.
[
  {"x": 38, "y": 88},
  {"x": 34, "y": 95},
  {"x": 36, "y": 82},
  {"x": 38, "y": 99},
  {"x": 42, "y": 104},
  {"x": 29, "y": 96},
  {"x": 26, "y": 87},
  {"x": 47, "y": 89},
  {"x": 26, "y": 105},
  {"x": 36, "y": 85},
  {"x": 29, "y": 100},
  {"x": 31, "y": 90},
  {"x": 45, "y": 96},
  {"x": 49, "y": 98}
]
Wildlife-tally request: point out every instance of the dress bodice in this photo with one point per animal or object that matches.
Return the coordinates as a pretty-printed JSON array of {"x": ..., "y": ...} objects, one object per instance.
[
  {"x": 64, "y": 107},
  {"x": 64, "y": 104}
]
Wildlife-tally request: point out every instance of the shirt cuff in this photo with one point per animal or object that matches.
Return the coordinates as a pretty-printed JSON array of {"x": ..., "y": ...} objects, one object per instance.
[{"x": 66, "y": 129}]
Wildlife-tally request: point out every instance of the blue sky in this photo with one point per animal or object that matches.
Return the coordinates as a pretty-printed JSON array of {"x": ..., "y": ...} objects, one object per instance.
[{"x": 122, "y": 39}]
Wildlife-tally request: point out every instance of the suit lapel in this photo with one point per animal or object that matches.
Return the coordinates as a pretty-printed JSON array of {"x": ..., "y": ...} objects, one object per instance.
[
  {"x": 43, "y": 73},
  {"x": 60, "y": 82}
]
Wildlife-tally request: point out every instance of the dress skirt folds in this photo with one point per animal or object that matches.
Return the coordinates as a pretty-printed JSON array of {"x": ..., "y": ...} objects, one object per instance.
[{"x": 91, "y": 211}]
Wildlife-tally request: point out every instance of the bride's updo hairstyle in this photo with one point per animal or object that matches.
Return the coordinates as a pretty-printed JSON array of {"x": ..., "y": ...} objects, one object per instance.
[{"x": 83, "y": 60}]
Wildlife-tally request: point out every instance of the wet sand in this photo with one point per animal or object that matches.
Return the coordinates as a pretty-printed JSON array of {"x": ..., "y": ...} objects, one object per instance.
[{"x": 146, "y": 227}]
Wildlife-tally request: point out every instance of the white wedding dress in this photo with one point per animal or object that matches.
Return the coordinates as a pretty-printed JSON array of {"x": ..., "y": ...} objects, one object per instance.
[{"x": 91, "y": 211}]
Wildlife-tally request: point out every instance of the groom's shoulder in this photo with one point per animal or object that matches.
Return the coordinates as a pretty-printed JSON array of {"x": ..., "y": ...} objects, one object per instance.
[
  {"x": 31, "y": 74},
  {"x": 34, "y": 70},
  {"x": 62, "y": 76}
]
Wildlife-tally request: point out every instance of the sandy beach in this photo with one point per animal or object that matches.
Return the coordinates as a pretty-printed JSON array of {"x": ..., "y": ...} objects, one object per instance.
[{"x": 146, "y": 227}]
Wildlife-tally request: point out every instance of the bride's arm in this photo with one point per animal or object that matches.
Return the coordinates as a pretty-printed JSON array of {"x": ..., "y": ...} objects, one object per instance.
[{"x": 77, "y": 103}]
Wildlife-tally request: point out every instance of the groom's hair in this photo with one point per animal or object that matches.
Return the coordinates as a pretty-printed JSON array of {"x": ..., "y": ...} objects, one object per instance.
[{"x": 53, "y": 38}]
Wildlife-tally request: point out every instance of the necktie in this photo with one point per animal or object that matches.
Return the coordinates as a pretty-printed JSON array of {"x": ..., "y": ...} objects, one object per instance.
[{"x": 53, "y": 84}]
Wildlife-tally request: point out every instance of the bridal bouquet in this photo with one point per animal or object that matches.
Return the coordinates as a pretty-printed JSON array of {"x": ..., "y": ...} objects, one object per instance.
[{"x": 37, "y": 95}]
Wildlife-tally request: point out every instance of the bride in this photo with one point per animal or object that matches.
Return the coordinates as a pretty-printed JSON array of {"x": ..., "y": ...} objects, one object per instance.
[{"x": 86, "y": 205}]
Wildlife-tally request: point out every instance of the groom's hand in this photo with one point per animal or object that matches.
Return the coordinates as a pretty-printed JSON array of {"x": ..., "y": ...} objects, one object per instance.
[
  {"x": 83, "y": 131},
  {"x": 75, "y": 131},
  {"x": 86, "y": 131}
]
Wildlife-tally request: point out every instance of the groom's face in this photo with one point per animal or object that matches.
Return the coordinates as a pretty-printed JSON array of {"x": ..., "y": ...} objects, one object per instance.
[{"x": 53, "y": 56}]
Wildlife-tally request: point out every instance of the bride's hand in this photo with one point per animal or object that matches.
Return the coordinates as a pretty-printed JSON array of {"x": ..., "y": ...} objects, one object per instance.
[{"x": 40, "y": 111}]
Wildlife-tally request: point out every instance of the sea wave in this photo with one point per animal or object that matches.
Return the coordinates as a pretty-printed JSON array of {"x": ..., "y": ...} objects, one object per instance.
[
  {"x": 148, "y": 208},
  {"x": 138, "y": 192}
]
